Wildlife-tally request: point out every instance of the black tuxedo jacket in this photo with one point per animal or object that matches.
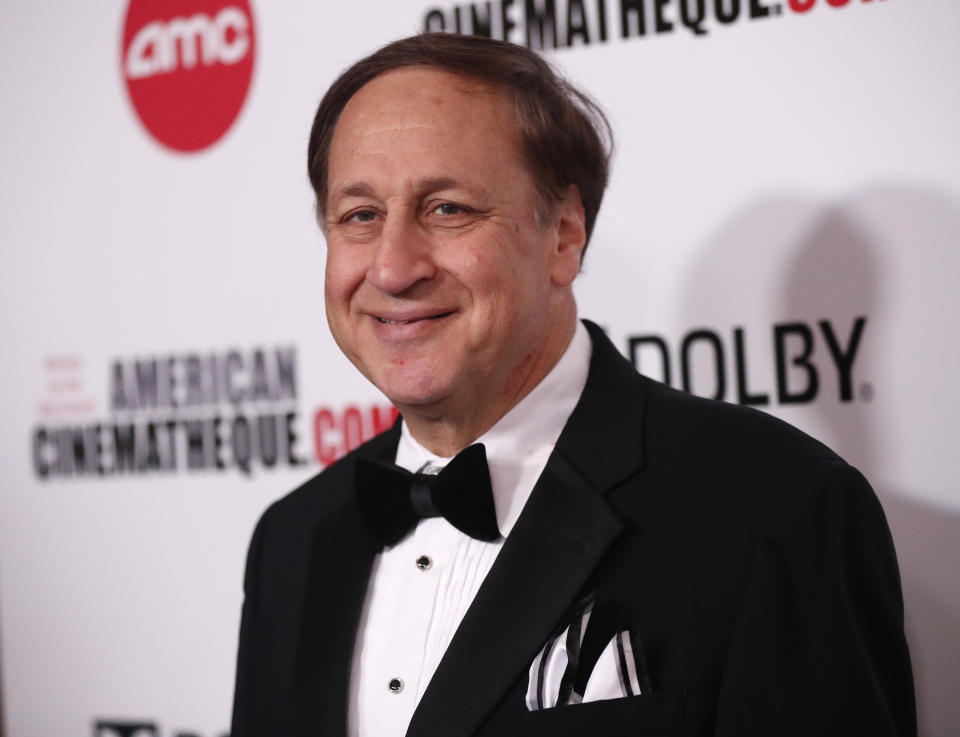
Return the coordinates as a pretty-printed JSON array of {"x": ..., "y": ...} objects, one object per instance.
[{"x": 752, "y": 566}]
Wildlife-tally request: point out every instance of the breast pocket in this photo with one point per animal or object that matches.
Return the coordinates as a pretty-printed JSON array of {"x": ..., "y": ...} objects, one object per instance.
[{"x": 631, "y": 715}]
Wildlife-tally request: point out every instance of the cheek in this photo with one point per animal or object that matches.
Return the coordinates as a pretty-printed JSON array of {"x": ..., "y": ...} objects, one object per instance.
[
  {"x": 343, "y": 274},
  {"x": 492, "y": 268}
]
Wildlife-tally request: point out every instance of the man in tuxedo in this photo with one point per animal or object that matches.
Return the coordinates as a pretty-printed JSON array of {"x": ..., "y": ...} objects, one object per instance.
[{"x": 547, "y": 543}]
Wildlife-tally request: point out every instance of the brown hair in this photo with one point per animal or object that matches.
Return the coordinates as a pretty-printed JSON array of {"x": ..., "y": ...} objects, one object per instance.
[{"x": 566, "y": 137}]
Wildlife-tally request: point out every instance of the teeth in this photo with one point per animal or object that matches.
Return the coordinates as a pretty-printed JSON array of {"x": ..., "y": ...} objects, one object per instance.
[{"x": 394, "y": 322}]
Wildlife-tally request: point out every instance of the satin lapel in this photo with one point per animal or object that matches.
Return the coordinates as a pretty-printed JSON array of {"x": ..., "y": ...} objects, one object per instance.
[
  {"x": 603, "y": 438},
  {"x": 337, "y": 578},
  {"x": 562, "y": 534}
]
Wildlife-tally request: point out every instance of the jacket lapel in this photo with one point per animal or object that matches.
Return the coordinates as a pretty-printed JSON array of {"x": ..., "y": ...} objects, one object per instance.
[
  {"x": 338, "y": 574},
  {"x": 603, "y": 438},
  {"x": 563, "y": 533}
]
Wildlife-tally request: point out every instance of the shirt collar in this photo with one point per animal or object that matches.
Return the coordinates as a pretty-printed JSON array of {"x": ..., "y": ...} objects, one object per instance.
[{"x": 524, "y": 436}]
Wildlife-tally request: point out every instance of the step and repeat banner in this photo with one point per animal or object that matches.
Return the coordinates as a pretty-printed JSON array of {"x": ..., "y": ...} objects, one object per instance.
[{"x": 782, "y": 230}]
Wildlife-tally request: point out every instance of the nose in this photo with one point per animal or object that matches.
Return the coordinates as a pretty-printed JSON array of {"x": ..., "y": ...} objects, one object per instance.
[{"x": 402, "y": 258}]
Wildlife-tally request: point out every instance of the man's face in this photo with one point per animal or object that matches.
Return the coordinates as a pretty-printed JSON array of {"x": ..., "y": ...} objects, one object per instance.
[{"x": 442, "y": 286}]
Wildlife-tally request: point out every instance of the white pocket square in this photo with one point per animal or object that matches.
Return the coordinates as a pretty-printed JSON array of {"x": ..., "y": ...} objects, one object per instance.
[
  {"x": 550, "y": 669},
  {"x": 552, "y": 673},
  {"x": 615, "y": 674}
]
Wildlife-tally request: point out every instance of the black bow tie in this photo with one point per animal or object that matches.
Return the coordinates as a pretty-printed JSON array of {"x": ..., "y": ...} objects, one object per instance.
[{"x": 392, "y": 500}]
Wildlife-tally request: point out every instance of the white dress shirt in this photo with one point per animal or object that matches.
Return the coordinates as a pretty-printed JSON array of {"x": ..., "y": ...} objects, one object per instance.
[{"x": 420, "y": 588}]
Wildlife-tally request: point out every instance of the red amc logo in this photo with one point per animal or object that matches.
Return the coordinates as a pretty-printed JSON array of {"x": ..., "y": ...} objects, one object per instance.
[{"x": 187, "y": 65}]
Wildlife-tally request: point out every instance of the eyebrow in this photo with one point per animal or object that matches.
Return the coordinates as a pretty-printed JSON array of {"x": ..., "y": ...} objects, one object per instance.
[{"x": 357, "y": 189}]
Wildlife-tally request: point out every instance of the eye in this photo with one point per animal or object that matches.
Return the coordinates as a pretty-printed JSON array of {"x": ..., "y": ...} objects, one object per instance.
[
  {"x": 361, "y": 216},
  {"x": 449, "y": 208}
]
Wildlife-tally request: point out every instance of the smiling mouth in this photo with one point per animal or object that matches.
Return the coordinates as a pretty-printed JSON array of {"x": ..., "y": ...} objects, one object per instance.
[{"x": 385, "y": 321}]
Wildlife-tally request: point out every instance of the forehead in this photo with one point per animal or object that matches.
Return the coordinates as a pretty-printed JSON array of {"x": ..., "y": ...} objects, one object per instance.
[
  {"x": 425, "y": 116},
  {"x": 433, "y": 92}
]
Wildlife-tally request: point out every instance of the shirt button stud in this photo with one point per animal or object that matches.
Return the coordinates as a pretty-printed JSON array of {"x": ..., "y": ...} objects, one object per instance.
[
  {"x": 395, "y": 685},
  {"x": 424, "y": 563}
]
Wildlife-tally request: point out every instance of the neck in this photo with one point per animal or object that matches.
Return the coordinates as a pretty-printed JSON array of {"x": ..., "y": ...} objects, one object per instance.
[{"x": 447, "y": 430}]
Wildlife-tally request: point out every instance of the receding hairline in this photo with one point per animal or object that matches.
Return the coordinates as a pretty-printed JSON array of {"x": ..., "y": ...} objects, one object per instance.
[{"x": 470, "y": 85}]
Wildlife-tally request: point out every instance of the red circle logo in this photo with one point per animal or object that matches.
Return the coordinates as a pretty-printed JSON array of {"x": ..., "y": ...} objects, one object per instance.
[{"x": 188, "y": 64}]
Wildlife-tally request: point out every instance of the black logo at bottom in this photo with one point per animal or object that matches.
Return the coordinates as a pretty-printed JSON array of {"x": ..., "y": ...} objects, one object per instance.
[
  {"x": 125, "y": 729},
  {"x": 129, "y": 728}
]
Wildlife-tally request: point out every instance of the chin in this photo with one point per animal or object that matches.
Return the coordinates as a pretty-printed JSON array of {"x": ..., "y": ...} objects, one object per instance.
[{"x": 416, "y": 390}]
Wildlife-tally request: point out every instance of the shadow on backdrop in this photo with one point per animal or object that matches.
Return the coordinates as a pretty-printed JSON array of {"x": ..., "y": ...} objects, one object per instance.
[{"x": 887, "y": 254}]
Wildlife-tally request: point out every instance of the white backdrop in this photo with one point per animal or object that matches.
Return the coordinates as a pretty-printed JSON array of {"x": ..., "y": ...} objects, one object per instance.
[{"x": 777, "y": 180}]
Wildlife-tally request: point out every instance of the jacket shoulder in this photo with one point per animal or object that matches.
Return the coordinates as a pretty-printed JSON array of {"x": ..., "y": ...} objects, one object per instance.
[
  {"x": 328, "y": 490},
  {"x": 717, "y": 432},
  {"x": 625, "y": 417}
]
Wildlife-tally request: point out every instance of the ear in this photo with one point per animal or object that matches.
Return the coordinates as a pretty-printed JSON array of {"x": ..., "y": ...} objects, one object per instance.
[{"x": 569, "y": 222}]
